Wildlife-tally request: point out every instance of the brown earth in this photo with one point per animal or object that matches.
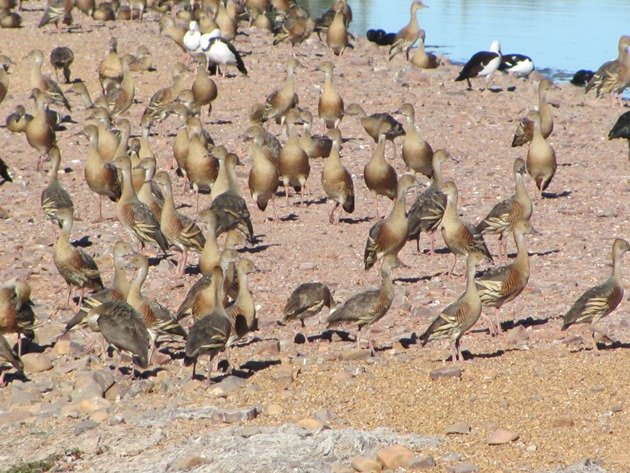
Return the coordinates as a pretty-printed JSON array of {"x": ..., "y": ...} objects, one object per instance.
[{"x": 566, "y": 401}]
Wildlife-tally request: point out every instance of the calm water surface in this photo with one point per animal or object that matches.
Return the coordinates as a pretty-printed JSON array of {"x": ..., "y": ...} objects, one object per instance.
[{"x": 561, "y": 36}]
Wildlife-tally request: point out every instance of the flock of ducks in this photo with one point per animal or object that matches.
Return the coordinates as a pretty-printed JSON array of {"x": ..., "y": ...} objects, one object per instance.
[{"x": 222, "y": 308}]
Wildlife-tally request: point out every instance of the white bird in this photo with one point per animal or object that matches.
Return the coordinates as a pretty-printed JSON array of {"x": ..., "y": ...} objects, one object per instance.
[
  {"x": 192, "y": 38},
  {"x": 221, "y": 52}
]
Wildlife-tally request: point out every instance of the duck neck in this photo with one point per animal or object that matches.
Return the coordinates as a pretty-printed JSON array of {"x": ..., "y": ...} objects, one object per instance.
[
  {"x": 411, "y": 125},
  {"x": 54, "y": 172},
  {"x": 169, "y": 201},
  {"x": 334, "y": 158},
  {"x": 471, "y": 287},
  {"x": 387, "y": 287},
  {"x": 135, "y": 290},
  {"x": 437, "y": 175},
  {"x": 450, "y": 212},
  {"x": 521, "y": 251},
  {"x": 121, "y": 282},
  {"x": 379, "y": 154},
  {"x": 232, "y": 182},
  {"x": 128, "y": 192},
  {"x": 398, "y": 210},
  {"x": 520, "y": 185},
  {"x": 616, "y": 271}
]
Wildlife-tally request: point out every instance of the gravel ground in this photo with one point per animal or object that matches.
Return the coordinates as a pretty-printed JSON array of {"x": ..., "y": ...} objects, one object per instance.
[{"x": 565, "y": 401}]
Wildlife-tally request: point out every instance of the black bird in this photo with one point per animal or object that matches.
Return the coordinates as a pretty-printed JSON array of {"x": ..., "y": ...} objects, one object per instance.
[{"x": 4, "y": 172}]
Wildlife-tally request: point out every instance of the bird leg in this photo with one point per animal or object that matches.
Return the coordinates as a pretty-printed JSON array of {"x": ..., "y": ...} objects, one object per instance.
[
  {"x": 100, "y": 210},
  {"x": 469, "y": 84},
  {"x": 19, "y": 344},
  {"x": 432, "y": 236},
  {"x": 68, "y": 299},
  {"x": 196, "y": 202},
  {"x": 359, "y": 337},
  {"x": 497, "y": 324},
  {"x": 286, "y": 194},
  {"x": 302, "y": 194},
  {"x": 331, "y": 217},
  {"x": 81, "y": 296},
  {"x": 273, "y": 207},
  {"x": 378, "y": 214},
  {"x": 450, "y": 273},
  {"x": 370, "y": 344}
]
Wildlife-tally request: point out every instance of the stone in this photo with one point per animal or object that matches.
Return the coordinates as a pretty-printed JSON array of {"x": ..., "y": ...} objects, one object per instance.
[
  {"x": 230, "y": 416},
  {"x": 563, "y": 422},
  {"x": 14, "y": 417},
  {"x": 100, "y": 416},
  {"x": 274, "y": 409},
  {"x": 269, "y": 347},
  {"x": 354, "y": 354},
  {"x": 341, "y": 468},
  {"x": 421, "y": 462},
  {"x": 462, "y": 468},
  {"x": 310, "y": 424},
  {"x": 458, "y": 428},
  {"x": 227, "y": 386},
  {"x": 24, "y": 395},
  {"x": 518, "y": 335},
  {"x": 88, "y": 391},
  {"x": 139, "y": 388},
  {"x": 36, "y": 362},
  {"x": 354, "y": 370},
  {"x": 187, "y": 463},
  {"x": 446, "y": 372},
  {"x": 249, "y": 431},
  {"x": 365, "y": 464},
  {"x": 85, "y": 426},
  {"x": 4, "y": 213},
  {"x": 324, "y": 415},
  {"x": 502, "y": 436},
  {"x": 87, "y": 406},
  {"x": 62, "y": 347},
  {"x": 394, "y": 456},
  {"x": 104, "y": 378}
]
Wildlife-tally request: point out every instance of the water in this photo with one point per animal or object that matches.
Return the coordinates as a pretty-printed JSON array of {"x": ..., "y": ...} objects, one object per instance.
[{"x": 561, "y": 36}]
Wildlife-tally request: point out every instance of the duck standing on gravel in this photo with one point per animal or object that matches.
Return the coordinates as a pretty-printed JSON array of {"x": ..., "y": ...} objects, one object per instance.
[{"x": 483, "y": 63}]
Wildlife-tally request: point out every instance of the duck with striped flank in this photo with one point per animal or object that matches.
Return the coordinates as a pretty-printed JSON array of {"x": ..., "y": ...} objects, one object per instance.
[{"x": 599, "y": 301}]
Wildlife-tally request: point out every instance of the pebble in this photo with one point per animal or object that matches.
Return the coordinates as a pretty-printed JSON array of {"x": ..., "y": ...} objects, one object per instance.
[
  {"x": 36, "y": 362},
  {"x": 100, "y": 416},
  {"x": 421, "y": 462},
  {"x": 311, "y": 424},
  {"x": 308, "y": 266},
  {"x": 238, "y": 415},
  {"x": 249, "y": 431},
  {"x": 274, "y": 409},
  {"x": 458, "y": 428},
  {"x": 227, "y": 386},
  {"x": 446, "y": 372},
  {"x": 4, "y": 213},
  {"x": 324, "y": 415},
  {"x": 87, "y": 391},
  {"x": 187, "y": 463},
  {"x": 354, "y": 370},
  {"x": 24, "y": 395},
  {"x": 502, "y": 436},
  {"x": 269, "y": 347},
  {"x": 94, "y": 404},
  {"x": 354, "y": 354},
  {"x": 139, "y": 388},
  {"x": 394, "y": 456},
  {"x": 563, "y": 422},
  {"x": 341, "y": 468},
  {"x": 14, "y": 417},
  {"x": 366, "y": 464},
  {"x": 462, "y": 468}
]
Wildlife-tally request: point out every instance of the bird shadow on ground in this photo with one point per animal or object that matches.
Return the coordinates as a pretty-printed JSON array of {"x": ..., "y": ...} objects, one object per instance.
[
  {"x": 328, "y": 335},
  {"x": 83, "y": 242},
  {"x": 527, "y": 322},
  {"x": 220, "y": 122},
  {"x": 29, "y": 346},
  {"x": 538, "y": 253},
  {"x": 411, "y": 280},
  {"x": 321, "y": 200},
  {"x": 471, "y": 356},
  {"x": 16, "y": 376},
  {"x": 354, "y": 221},
  {"x": 258, "y": 248},
  {"x": 143, "y": 374},
  {"x": 245, "y": 371},
  {"x": 557, "y": 195},
  {"x": 406, "y": 342},
  {"x": 289, "y": 218}
]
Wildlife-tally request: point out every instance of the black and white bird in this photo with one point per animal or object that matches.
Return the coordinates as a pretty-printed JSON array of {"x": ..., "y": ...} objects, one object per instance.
[
  {"x": 621, "y": 129},
  {"x": 483, "y": 63},
  {"x": 517, "y": 64},
  {"x": 221, "y": 52}
]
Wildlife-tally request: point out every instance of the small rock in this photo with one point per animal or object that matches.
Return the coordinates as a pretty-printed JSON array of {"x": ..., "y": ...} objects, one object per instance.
[
  {"x": 422, "y": 462},
  {"x": 187, "y": 463},
  {"x": 446, "y": 372},
  {"x": 84, "y": 426},
  {"x": 22, "y": 395},
  {"x": 14, "y": 417},
  {"x": 563, "y": 422},
  {"x": 343, "y": 377},
  {"x": 100, "y": 416},
  {"x": 310, "y": 424},
  {"x": 62, "y": 347},
  {"x": 4, "y": 213},
  {"x": 249, "y": 431},
  {"x": 308, "y": 266},
  {"x": 104, "y": 378},
  {"x": 452, "y": 457},
  {"x": 394, "y": 456},
  {"x": 365, "y": 464},
  {"x": 501, "y": 436},
  {"x": 573, "y": 340},
  {"x": 227, "y": 386},
  {"x": 94, "y": 404},
  {"x": 237, "y": 415},
  {"x": 341, "y": 468},
  {"x": 117, "y": 419},
  {"x": 458, "y": 428},
  {"x": 517, "y": 335},
  {"x": 139, "y": 388},
  {"x": 531, "y": 448},
  {"x": 354, "y": 370},
  {"x": 324, "y": 415},
  {"x": 88, "y": 391},
  {"x": 462, "y": 468},
  {"x": 354, "y": 354},
  {"x": 269, "y": 347},
  {"x": 36, "y": 362},
  {"x": 274, "y": 409}
]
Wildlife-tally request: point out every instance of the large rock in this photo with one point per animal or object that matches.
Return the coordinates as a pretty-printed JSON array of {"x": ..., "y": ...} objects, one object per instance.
[
  {"x": 446, "y": 372},
  {"x": 458, "y": 428},
  {"x": 462, "y": 468},
  {"x": 394, "y": 456},
  {"x": 36, "y": 362},
  {"x": 354, "y": 354},
  {"x": 187, "y": 463},
  {"x": 88, "y": 406},
  {"x": 422, "y": 462}
]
